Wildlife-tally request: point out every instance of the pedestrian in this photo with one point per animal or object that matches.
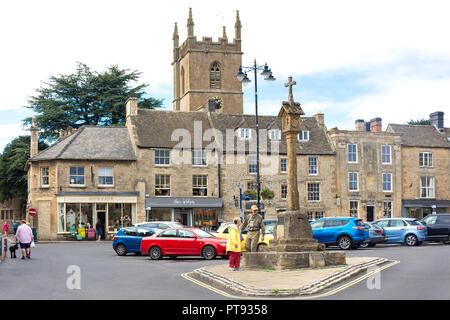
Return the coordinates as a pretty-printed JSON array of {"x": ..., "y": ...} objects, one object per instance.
[
  {"x": 98, "y": 229},
  {"x": 255, "y": 223},
  {"x": 234, "y": 245},
  {"x": 5, "y": 228},
  {"x": 15, "y": 226},
  {"x": 24, "y": 236}
]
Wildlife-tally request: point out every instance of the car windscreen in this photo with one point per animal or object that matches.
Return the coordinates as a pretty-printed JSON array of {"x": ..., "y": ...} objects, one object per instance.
[
  {"x": 413, "y": 223},
  {"x": 203, "y": 234}
]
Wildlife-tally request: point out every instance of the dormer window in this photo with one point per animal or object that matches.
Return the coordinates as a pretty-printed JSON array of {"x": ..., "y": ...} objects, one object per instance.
[
  {"x": 275, "y": 134},
  {"x": 303, "y": 135},
  {"x": 214, "y": 76},
  {"x": 244, "y": 133}
]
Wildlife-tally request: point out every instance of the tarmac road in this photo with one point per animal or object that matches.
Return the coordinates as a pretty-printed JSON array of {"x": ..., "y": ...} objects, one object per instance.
[{"x": 423, "y": 273}]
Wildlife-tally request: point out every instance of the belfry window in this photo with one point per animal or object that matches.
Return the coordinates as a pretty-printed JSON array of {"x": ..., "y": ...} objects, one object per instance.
[{"x": 214, "y": 76}]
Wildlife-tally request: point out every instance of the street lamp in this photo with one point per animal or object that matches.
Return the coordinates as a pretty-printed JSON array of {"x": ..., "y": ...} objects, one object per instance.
[{"x": 242, "y": 77}]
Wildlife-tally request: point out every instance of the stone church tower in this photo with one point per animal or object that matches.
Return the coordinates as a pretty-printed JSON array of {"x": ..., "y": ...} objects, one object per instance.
[{"x": 205, "y": 69}]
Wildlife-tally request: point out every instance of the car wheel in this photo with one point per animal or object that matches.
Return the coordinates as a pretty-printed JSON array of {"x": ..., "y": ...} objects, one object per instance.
[
  {"x": 344, "y": 242},
  {"x": 364, "y": 244},
  {"x": 372, "y": 245},
  {"x": 411, "y": 240},
  {"x": 208, "y": 252},
  {"x": 448, "y": 240},
  {"x": 260, "y": 247},
  {"x": 121, "y": 250},
  {"x": 155, "y": 253}
]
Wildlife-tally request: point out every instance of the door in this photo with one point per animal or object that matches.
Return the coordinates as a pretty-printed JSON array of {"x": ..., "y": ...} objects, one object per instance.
[
  {"x": 332, "y": 228},
  {"x": 184, "y": 216},
  {"x": 101, "y": 216},
  {"x": 396, "y": 230},
  {"x": 370, "y": 210},
  {"x": 132, "y": 240},
  {"x": 168, "y": 240},
  {"x": 188, "y": 243}
]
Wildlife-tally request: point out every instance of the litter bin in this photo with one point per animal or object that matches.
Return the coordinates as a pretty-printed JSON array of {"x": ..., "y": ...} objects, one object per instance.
[{"x": 34, "y": 234}]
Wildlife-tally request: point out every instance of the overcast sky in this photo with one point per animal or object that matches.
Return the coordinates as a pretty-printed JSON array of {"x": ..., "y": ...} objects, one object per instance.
[{"x": 351, "y": 59}]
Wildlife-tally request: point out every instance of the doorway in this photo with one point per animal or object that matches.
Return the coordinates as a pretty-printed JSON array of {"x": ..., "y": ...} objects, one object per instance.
[
  {"x": 184, "y": 216},
  {"x": 370, "y": 210},
  {"x": 101, "y": 216}
]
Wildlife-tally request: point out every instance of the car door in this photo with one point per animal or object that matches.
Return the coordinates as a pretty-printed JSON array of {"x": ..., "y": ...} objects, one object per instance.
[
  {"x": 132, "y": 240},
  {"x": 396, "y": 230},
  {"x": 430, "y": 223},
  {"x": 317, "y": 229},
  {"x": 330, "y": 230},
  {"x": 143, "y": 232},
  {"x": 440, "y": 228},
  {"x": 168, "y": 240},
  {"x": 188, "y": 243}
]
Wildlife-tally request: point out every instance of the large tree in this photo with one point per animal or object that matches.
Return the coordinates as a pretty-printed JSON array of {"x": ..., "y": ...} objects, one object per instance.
[
  {"x": 13, "y": 178},
  {"x": 87, "y": 97}
]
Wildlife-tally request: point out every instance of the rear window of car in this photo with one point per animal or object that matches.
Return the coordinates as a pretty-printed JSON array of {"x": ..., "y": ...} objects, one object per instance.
[
  {"x": 168, "y": 234},
  {"x": 203, "y": 234},
  {"x": 359, "y": 223},
  {"x": 413, "y": 223}
]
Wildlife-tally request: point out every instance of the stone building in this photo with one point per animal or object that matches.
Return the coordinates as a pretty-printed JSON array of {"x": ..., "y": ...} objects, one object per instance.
[
  {"x": 11, "y": 210},
  {"x": 368, "y": 171},
  {"x": 425, "y": 168}
]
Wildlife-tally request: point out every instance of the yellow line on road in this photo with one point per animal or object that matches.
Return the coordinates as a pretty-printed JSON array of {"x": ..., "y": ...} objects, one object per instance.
[{"x": 345, "y": 286}]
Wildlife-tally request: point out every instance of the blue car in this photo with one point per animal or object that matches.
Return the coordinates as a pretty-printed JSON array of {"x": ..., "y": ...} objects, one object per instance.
[
  {"x": 403, "y": 230},
  {"x": 129, "y": 239},
  {"x": 345, "y": 232}
]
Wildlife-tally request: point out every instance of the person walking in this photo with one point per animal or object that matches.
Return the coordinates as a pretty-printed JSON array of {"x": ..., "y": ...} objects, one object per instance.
[
  {"x": 98, "y": 229},
  {"x": 15, "y": 226},
  {"x": 5, "y": 228},
  {"x": 24, "y": 236},
  {"x": 255, "y": 223},
  {"x": 234, "y": 245}
]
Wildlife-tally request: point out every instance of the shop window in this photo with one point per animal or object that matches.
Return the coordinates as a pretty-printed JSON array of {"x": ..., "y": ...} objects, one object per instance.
[
  {"x": 313, "y": 191},
  {"x": 105, "y": 176},
  {"x": 76, "y": 175},
  {"x": 119, "y": 216},
  {"x": 61, "y": 219},
  {"x": 162, "y": 157},
  {"x": 206, "y": 218},
  {"x": 159, "y": 215},
  {"x": 45, "y": 181},
  {"x": 162, "y": 185}
]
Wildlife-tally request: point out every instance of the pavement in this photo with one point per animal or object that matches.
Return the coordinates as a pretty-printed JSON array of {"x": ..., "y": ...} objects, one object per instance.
[{"x": 281, "y": 283}]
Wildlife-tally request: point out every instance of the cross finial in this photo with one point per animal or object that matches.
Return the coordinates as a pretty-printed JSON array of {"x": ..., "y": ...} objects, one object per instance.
[{"x": 290, "y": 84}]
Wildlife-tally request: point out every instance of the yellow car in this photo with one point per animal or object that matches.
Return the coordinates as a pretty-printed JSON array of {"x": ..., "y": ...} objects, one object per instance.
[{"x": 222, "y": 232}]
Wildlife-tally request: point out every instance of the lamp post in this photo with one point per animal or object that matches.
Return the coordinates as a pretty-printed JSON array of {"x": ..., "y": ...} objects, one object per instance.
[{"x": 242, "y": 76}]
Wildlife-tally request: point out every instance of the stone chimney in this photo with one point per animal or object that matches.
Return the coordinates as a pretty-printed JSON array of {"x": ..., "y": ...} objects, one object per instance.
[
  {"x": 360, "y": 125},
  {"x": 34, "y": 132},
  {"x": 320, "y": 119},
  {"x": 437, "y": 119},
  {"x": 131, "y": 107},
  {"x": 376, "y": 125}
]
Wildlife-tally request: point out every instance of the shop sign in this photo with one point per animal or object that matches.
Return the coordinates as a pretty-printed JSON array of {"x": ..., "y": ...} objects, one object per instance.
[{"x": 167, "y": 202}]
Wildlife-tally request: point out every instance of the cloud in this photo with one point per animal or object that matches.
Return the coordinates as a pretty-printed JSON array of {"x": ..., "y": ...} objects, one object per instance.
[{"x": 10, "y": 131}]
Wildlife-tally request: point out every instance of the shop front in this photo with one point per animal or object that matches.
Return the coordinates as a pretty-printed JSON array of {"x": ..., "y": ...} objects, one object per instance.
[
  {"x": 423, "y": 207},
  {"x": 78, "y": 213},
  {"x": 193, "y": 212}
]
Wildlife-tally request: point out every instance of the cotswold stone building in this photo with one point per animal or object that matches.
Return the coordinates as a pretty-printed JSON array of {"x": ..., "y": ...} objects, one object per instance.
[{"x": 192, "y": 163}]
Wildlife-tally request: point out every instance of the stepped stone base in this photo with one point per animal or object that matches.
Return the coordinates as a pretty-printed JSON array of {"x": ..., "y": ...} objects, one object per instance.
[{"x": 292, "y": 260}]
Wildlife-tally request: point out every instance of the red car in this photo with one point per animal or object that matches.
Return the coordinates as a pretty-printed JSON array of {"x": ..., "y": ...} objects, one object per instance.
[{"x": 174, "y": 242}]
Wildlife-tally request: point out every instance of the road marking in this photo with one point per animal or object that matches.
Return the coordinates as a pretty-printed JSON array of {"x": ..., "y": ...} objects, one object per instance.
[{"x": 345, "y": 286}]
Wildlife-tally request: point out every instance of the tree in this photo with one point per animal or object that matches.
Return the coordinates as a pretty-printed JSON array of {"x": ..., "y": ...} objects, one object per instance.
[
  {"x": 420, "y": 122},
  {"x": 13, "y": 177},
  {"x": 86, "y": 98}
]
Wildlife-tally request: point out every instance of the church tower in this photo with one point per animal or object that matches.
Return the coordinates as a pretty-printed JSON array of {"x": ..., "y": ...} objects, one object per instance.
[{"x": 205, "y": 69}]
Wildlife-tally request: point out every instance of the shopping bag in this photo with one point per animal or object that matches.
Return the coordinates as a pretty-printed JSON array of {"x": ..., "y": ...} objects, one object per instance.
[{"x": 32, "y": 245}]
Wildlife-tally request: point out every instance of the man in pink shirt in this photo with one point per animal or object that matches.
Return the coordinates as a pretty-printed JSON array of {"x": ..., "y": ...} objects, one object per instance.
[{"x": 24, "y": 236}]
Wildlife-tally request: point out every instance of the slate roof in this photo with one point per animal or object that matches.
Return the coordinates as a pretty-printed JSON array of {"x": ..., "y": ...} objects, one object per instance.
[
  {"x": 154, "y": 128},
  {"x": 419, "y": 136},
  {"x": 91, "y": 143}
]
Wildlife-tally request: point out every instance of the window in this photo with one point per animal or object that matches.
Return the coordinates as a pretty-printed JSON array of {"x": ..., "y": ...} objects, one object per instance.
[
  {"x": 283, "y": 165},
  {"x": 172, "y": 233},
  {"x": 214, "y": 76},
  {"x": 317, "y": 224},
  {"x": 427, "y": 187},
  {"x": 162, "y": 185},
  {"x": 145, "y": 232},
  {"x": 310, "y": 215},
  {"x": 44, "y": 177},
  {"x": 283, "y": 191},
  {"x": 199, "y": 158},
  {"x": 182, "y": 81},
  {"x": 313, "y": 166},
  {"x": 77, "y": 175},
  {"x": 251, "y": 185},
  {"x": 354, "y": 208},
  {"x": 397, "y": 223},
  {"x": 352, "y": 150},
  {"x": 387, "y": 182},
  {"x": 313, "y": 191},
  {"x": 430, "y": 219},
  {"x": 387, "y": 209},
  {"x": 162, "y": 157},
  {"x": 353, "y": 181},
  {"x": 185, "y": 234},
  {"x": 244, "y": 133},
  {"x": 383, "y": 223},
  {"x": 303, "y": 135},
  {"x": 319, "y": 215},
  {"x": 330, "y": 223},
  {"x": 425, "y": 159},
  {"x": 275, "y": 134},
  {"x": 386, "y": 154},
  {"x": 200, "y": 185},
  {"x": 130, "y": 232},
  {"x": 105, "y": 176},
  {"x": 252, "y": 164}
]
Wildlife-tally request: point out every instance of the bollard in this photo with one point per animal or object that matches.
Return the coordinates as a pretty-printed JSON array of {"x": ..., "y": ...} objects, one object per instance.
[{"x": 3, "y": 247}]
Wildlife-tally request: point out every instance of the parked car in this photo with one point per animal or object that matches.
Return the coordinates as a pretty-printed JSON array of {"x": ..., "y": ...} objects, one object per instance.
[
  {"x": 269, "y": 225},
  {"x": 129, "y": 239},
  {"x": 438, "y": 227},
  {"x": 403, "y": 230},
  {"x": 345, "y": 232},
  {"x": 376, "y": 234},
  {"x": 159, "y": 224},
  {"x": 175, "y": 242}
]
